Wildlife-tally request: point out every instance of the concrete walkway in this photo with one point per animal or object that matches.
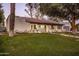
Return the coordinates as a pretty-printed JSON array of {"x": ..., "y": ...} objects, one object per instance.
[{"x": 67, "y": 35}]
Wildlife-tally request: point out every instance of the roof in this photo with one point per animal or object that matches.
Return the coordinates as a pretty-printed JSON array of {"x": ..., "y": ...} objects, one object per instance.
[
  {"x": 42, "y": 21},
  {"x": 38, "y": 21}
]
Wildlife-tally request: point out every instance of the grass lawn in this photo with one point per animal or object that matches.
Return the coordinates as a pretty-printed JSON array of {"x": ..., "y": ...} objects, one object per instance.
[{"x": 38, "y": 45}]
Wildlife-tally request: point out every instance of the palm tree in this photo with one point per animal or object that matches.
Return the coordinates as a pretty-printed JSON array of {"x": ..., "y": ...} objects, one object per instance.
[{"x": 12, "y": 19}]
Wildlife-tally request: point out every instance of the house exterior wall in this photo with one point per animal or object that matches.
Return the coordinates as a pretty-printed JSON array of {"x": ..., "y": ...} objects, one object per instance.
[
  {"x": 44, "y": 28},
  {"x": 56, "y": 29},
  {"x": 22, "y": 26},
  {"x": 38, "y": 28},
  {"x": 66, "y": 28}
]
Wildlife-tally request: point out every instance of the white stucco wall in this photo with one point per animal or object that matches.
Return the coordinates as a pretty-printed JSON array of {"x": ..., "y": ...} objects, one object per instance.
[{"x": 22, "y": 26}]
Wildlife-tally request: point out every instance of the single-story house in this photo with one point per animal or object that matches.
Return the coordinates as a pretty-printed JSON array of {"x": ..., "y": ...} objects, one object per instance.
[
  {"x": 66, "y": 26},
  {"x": 33, "y": 25}
]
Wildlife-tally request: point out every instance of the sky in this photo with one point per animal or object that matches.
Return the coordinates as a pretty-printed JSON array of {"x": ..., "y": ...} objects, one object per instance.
[
  {"x": 20, "y": 7},
  {"x": 20, "y": 10}
]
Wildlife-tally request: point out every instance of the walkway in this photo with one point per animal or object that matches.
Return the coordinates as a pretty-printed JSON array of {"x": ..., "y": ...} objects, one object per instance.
[{"x": 67, "y": 35}]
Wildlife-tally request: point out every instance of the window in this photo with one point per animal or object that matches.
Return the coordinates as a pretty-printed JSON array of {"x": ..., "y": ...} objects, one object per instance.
[
  {"x": 31, "y": 26},
  {"x": 39, "y": 26},
  {"x": 34, "y": 26}
]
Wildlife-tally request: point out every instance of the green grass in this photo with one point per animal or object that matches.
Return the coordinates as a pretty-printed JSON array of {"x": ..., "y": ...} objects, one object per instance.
[{"x": 39, "y": 45}]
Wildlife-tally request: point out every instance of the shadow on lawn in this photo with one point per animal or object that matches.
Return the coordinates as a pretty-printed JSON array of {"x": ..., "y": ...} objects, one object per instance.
[
  {"x": 2, "y": 49},
  {"x": 75, "y": 54}
]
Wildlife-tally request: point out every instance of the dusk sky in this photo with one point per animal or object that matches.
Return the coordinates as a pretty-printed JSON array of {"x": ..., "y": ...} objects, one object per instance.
[{"x": 19, "y": 9}]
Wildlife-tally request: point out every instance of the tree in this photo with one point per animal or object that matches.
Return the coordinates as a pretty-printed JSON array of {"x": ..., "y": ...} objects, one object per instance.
[
  {"x": 12, "y": 19},
  {"x": 1, "y": 14},
  {"x": 71, "y": 11},
  {"x": 68, "y": 12},
  {"x": 32, "y": 9}
]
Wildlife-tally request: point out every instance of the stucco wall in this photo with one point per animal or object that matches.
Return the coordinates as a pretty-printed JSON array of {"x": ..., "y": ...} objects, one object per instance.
[{"x": 21, "y": 26}]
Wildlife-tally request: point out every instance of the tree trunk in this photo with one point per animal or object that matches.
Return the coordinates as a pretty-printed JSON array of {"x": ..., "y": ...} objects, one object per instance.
[
  {"x": 73, "y": 25},
  {"x": 12, "y": 19}
]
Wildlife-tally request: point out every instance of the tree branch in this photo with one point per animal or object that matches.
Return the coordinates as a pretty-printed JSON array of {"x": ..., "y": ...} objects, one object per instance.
[{"x": 27, "y": 12}]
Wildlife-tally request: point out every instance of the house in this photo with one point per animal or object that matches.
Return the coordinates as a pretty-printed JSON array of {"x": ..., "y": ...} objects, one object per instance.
[
  {"x": 32, "y": 25},
  {"x": 66, "y": 26}
]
